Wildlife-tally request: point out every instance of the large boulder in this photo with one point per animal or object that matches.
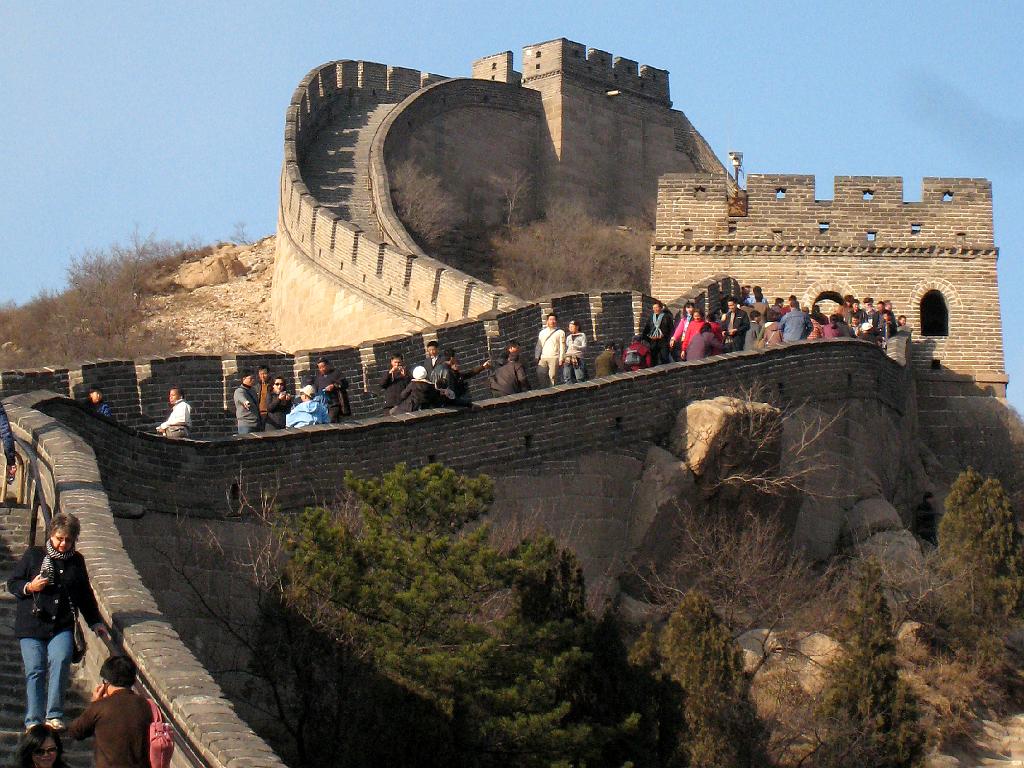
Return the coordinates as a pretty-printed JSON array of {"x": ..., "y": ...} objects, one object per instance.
[
  {"x": 219, "y": 267},
  {"x": 715, "y": 436},
  {"x": 868, "y": 517},
  {"x": 894, "y": 549},
  {"x": 801, "y": 660},
  {"x": 665, "y": 485},
  {"x": 757, "y": 645},
  {"x": 665, "y": 488}
]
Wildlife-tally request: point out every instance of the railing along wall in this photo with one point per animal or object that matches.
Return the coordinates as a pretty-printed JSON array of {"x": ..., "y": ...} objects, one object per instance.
[{"x": 57, "y": 472}]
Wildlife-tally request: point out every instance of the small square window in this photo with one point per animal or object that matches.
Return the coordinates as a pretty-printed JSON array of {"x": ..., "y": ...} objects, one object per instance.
[
  {"x": 871, "y": 234},
  {"x": 700, "y": 192},
  {"x": 777, "y": 235},
  {"x": 537, "y": 67},
  {"x": 537, "y": 54},
  {"x": 915, "y": 229},
  {"x": 780, "y": 193},
  {"x": 869, "y": 194},
  {"x": 947, "y": 196},
  {"x": 687, "y": 234},
  {"x": 823, "y": 227},
  {"x": 494, "y": 65},
  {"x": 732, "y": 229}
]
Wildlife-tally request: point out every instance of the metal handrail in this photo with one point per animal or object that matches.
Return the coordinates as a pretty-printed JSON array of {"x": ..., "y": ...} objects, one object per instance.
[{"x": 39, "y": 507}]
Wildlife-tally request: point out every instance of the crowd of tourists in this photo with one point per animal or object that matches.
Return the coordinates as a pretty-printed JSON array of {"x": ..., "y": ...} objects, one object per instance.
[
  {"x": 746, "y": 321},
  {"x": 50, "y": 584},
  {"x": 263, "y": 403}
]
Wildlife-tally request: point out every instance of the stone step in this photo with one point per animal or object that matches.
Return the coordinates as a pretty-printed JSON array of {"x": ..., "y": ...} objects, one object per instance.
[
  {"x": 14, "y": 530},
  {"x": 336, "y": 164}
]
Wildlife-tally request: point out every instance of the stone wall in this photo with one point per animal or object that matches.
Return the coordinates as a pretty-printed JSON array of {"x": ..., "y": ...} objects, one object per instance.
[
  {"x": 177, "y": 680},
  {"x": 137, "y": 390},
  {"x": 611, "y": 127},
  {"x": 782, "y": 209},
  {"x": 562, "y": 130},
  {"x": 790, "y": 242},
  {"x": 624, "y": 413},
  {"x": 473, "y": 135},
  {"x": 333, "y": 281}
]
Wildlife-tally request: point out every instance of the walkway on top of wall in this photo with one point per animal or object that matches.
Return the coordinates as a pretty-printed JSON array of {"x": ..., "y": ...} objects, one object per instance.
[{"x": 337, "y": 162}]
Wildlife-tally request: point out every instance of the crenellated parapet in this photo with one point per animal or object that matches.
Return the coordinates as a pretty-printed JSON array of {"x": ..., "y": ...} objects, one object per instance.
[
  {"x": 594, "y": 68},
  {"x": 934, "y": 258},
  {"x": 867, "y": 211},
  {"x": 326, "y": 260},
  {"x": 136, "y": 390}
]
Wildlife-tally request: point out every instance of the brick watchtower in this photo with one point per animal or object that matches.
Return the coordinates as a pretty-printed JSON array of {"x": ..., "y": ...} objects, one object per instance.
[{"x": 934, "y": 259}]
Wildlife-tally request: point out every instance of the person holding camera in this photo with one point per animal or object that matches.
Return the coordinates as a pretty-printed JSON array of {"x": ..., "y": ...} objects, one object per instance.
[
  {"x": 394, "y": 381},
  {"x": 51, "y": 585},
  {"x": 278, "y": 406}
]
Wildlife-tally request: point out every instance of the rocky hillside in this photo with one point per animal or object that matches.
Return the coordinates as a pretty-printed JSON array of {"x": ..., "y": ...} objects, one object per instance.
[{"x": 220, "y": 301}]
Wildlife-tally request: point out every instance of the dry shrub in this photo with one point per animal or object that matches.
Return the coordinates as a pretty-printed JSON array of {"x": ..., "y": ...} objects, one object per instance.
[
  {"x": 98, "y": 314},
  {"x": 570, "y": 250},
  {"x": 423, "y": 204}
]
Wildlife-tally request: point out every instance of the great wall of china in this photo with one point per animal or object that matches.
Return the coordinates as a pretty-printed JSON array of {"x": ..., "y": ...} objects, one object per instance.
[{"x": 352, "y": 284}]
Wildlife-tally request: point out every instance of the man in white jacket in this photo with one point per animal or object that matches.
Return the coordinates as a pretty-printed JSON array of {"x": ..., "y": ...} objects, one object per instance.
[
  {"x": 179, "y": 423},
  {"x": 550, "y": 352}
]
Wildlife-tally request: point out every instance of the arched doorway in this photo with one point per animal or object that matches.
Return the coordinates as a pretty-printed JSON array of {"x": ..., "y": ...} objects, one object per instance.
[
  {"x": 829, "y": 302},
  {"x": 934, "y": 314}
]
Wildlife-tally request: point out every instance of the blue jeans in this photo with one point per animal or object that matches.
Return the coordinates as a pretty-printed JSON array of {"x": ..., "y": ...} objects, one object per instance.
[
  {"x": 573, "y": 375},
  {"x": 47, "y": 671},
  {"x": 246, "y": 429}
]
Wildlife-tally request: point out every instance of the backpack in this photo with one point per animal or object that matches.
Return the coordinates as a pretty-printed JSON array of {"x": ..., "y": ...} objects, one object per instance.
[
  {"x": 161, "y": 740},
  {"x": 632, "y": 357}
]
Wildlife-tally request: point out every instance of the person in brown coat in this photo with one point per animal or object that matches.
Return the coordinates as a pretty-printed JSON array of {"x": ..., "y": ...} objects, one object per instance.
[{"x": 118, "y": 718}]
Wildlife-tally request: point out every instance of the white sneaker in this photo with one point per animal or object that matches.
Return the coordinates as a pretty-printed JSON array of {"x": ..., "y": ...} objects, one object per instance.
[{"x": 56, "y": 724}]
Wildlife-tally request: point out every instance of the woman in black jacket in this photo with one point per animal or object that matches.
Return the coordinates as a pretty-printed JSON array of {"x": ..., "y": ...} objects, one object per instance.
[
  {"x": 52, "y": 586},
  {"x": 278, "y": 406}
]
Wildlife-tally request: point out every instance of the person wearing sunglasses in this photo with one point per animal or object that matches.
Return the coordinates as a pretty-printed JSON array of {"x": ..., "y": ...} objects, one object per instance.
[{"x": 40, "y": 747}]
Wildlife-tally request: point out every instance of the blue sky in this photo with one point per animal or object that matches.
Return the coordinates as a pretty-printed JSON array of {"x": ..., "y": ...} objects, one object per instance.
[{"x": 169, "y": 116}]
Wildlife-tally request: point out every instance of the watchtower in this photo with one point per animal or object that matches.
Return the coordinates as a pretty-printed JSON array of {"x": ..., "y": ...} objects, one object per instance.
[{"x": 934, "y": 259}]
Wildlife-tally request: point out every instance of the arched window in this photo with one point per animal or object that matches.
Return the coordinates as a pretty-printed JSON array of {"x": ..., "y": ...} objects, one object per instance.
[
  {"x": 829, "y": 301},
  {"x": 934, "y": 314}
]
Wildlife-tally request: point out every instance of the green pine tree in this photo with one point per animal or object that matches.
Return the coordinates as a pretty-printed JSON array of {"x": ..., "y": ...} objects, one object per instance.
[
  {"x": 698, "y": 653},
  {"x": 498, "y": 640},
  {"x": 980, "y": 546},
  {"x": 870, "y": 713}
]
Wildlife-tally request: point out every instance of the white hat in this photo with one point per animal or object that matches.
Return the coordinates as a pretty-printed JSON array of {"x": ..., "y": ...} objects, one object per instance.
[
  {"x": 866, "y": 326},
  {"x": 308, "y": 391},
  {"x": 419, "y": 373}
]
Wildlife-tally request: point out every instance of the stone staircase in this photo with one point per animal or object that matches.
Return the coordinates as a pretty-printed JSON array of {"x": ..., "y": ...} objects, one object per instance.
[
  {"x": 13, "y": 539},
  {"x": 335, "y": 166}
]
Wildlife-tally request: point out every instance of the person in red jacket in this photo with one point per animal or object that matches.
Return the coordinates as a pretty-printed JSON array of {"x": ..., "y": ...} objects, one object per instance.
[
  {"x": 637, "y": 355},
  {"x": 694, "y": 328}
]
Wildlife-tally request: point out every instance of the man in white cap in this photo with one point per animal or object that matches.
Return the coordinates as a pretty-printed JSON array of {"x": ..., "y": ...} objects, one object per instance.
[
  {"x": 309, "y": 411},
  {"x": 418, "y": 394}
]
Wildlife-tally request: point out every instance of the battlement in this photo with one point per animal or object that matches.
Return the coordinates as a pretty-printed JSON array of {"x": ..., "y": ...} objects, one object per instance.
[
  {"x": 595, "y": 68},
  {"x": 865, "y": 210},
  {"x": 497, "y": 67}
]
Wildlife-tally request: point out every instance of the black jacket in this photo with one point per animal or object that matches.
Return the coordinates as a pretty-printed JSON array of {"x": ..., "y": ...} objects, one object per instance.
[
  {"x": 741, "y": 323},
  {"x": 666, "y": 326},
  {"x": 393, "y": 386},
  {"x": 70, "y": 583},
  {"x": 417, "y": 396},
  {"x": 278, "y": 409},
  {"x": 509, "y": 378}
]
